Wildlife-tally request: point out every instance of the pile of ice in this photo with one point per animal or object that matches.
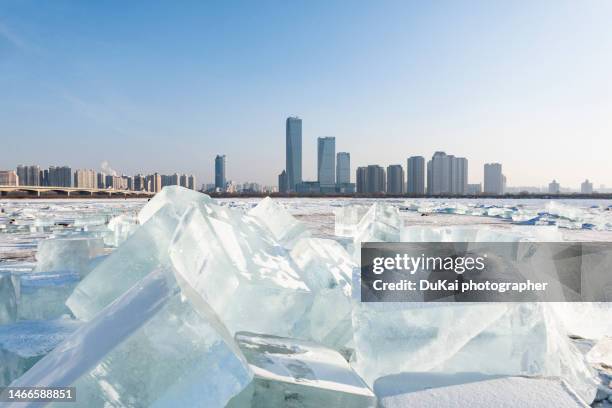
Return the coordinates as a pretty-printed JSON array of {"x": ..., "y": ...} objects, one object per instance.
[
  {"x": 556, "y": 213},
  {"x": 202, "y": 304}
]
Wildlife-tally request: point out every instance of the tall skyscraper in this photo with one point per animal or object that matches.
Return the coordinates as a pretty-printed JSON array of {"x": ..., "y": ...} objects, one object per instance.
[
  {"x": 447, "y": 174},
  {"x": 283, "y": 186},
  {"x": 326, "y": 162},
  {"x": 493, "y": 179},
  {"x": 395, "y": 179},
  {"x": 586, "y": 187},
  {"x": 459, "y": 175},
  {"x": 220, "y": 180},
  {"x": 343, "y": 168},
  {"x": 293, "y": 162},
  {"x": 191, "y": 182},
  {"x": 361, "y": 178},
  {"x": 416, "y": 175},
  {"x": 376, "y": 179}
]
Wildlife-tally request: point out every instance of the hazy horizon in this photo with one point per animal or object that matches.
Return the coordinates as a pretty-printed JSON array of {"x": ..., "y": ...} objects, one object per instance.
[{"x": 165, "y": 86}]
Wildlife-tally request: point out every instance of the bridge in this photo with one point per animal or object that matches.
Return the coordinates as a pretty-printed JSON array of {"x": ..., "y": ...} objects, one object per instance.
[{"x": 55, "y": 192}]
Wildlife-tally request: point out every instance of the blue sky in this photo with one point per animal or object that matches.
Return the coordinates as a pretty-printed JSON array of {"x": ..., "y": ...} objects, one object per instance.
[{"x": 167, "y": 85}]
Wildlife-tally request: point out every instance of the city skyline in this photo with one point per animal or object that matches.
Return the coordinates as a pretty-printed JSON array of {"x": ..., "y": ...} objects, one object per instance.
[{"x": 524, "y": 85}]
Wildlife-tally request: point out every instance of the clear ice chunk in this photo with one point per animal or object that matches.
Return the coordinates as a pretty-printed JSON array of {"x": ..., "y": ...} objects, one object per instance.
[
  {"x": 156, "y": 345},
  {"x": 67, "y": 254},
  {"x": 121, "y": 226},
  {"x": 327, "y": 269},
  {"x": 246, "y": 278},
  {"x": 43, "y": 296},
  {"x": 23, "y": 343},
  {"x": 8, "y": 299},
  {"x": 178, "y": 198},
  {"x": 285, "y": 228},
  {"x": 295, "y": 373},
  {"x": 381, "y": 223},
  {"x": 144, "y": 250},
  {"x": 346, "y": 219}
]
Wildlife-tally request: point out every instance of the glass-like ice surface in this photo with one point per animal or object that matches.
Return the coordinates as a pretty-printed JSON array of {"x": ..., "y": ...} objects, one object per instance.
[{"x": 295, "y": 373}]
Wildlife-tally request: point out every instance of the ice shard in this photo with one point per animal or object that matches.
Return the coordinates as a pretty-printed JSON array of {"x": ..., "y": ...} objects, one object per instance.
[
  {"x": 327, "y": 269},
  {"x": 144, "y": 250},
  {"x": 178, "y": 198},
  {"x": 121, "y": 226},
  {"x": 157, "y": 345},
  {"x": 246, "y": 278},
  {"x": 43, "y": 296},
  {"x": 299, "y": 374},
  {"x": 381, "y": 223},
  {"x": 23, "y": 343},
  {"x": 283, "y": 226},
  {"x": 8, "y": 299},
  {"x": 346, "y": 219},
  {"x": 67, "y": 254}
]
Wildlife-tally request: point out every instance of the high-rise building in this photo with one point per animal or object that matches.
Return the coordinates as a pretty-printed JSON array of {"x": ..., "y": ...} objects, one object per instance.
[
  {"x": 85, "y": 178},
  {"x": 293, "y": 157},
  {"x": 586, "y": 187},
  {"x": 343, "y": 168},
  {"x": 554, "y": 187},
  {"x": 139, "y": 182},
  {"x": 183, "y": 180},
  {"x": 220, "y": 180},
  {"x": 326, "y": 163},
  {"x": 191, "y": 182},
  {"x": 447, "y": 174},
  {"x": 493, "y": 179},
  {"x": 29, "y": 175},
  {"x": 395, "y": 179},
  {"x": 58, "y": 176},
  {"x": 101, "y": 180},
  {"x": 376, "y": 179},
  {"x": 8, "y": 178},
  {"x": 416, "y": 175},
  {"x": 459, "y": 175},
  {"x": 362, "y": 179},
  {"x": 283, "y": 186}
]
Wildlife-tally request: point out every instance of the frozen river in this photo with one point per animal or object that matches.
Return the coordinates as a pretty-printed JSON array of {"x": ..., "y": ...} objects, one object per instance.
[{"x": 25, "y": 222}]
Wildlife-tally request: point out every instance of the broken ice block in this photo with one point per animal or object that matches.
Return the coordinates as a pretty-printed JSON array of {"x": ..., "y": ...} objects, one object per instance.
[
  {"x": 284, "y": 227},
  {"x": 381, "y": 223},
  {"x": 237, "y": 269},
  {"x": 179, "y": 198},
  {"x": 346, "y": 219},
  {"x": 146, "y": 249},
  {"x": 121, "y": 226},
  {"x": 43, "y": 295},
  {"x": 524, "y": 338},
  {"x": 327, "y": 269},
  {"x": 298, "y": 374},
  {"x": 8, "y": 299},
  {"x": 23, "y": 343},
  {"x": 156, "y": 345},
  {"x": 67, "y": 254}
]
